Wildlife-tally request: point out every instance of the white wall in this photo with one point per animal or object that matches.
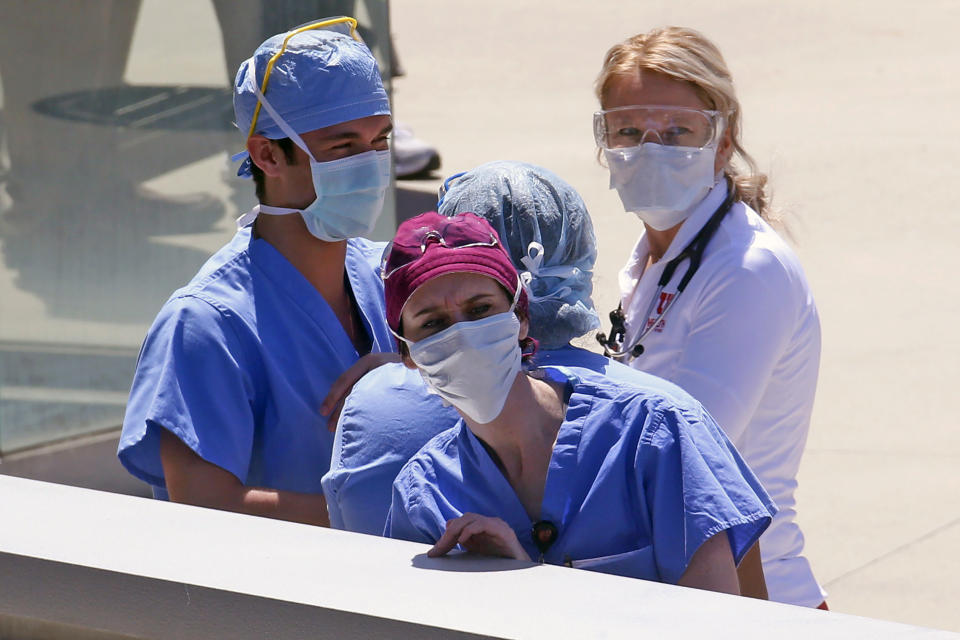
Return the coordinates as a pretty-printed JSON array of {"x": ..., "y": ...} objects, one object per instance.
[{"x": 135, "y": 566}]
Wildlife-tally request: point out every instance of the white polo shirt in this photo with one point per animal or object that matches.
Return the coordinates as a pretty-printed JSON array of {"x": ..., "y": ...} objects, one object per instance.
[{"x": 743, "y": 339}]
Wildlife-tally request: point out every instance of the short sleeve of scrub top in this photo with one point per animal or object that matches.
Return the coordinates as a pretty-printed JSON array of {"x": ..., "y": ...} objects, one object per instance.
[
  {"x": 387, "y": 417},
  {"x": 638, "y": 480},
  {"x": 238, "y": 362},
  {"x": 419, "y": 511},
  {"x": 196, "y": 378}
]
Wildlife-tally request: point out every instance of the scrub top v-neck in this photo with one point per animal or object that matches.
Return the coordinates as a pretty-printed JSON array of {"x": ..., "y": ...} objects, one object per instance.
[{"x": 637, "y": 481}]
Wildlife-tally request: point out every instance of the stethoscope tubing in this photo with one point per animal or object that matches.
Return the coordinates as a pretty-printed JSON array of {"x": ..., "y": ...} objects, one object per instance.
[{"x": 693, "y": 252}]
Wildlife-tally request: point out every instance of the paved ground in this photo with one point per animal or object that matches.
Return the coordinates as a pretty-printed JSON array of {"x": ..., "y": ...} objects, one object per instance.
[{"x": 848, "y": 105}]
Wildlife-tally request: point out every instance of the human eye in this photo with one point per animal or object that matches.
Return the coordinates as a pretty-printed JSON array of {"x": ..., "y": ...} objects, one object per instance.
[
  {"x": 431, "y": 325},
  {"x": 627, "y": 136},
  {"x": 480, "y": 310},
  {"x": 678, "y": 136}
]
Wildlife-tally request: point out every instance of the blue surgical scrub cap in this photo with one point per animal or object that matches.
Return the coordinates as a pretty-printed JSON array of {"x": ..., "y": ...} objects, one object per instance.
[
  {"x": 323, "y": 78},
  {"x": 546, "y": 229}
]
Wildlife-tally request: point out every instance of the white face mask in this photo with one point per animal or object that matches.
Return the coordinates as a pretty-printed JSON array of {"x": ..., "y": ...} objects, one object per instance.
[
  {"x": 472, "y": 365},
  {"x": 661, "y": 184}
]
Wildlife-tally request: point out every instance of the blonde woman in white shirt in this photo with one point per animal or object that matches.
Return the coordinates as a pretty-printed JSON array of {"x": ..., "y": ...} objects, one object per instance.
[{"x": 712, "y": 298}]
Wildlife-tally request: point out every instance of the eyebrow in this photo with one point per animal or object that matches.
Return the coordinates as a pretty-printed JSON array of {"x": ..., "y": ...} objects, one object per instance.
[
  {"x": 353, "y": 135},
  {"x": 476, "y": 298}
]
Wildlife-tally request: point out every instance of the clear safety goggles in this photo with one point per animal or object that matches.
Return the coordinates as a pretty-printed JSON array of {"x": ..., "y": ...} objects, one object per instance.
[
  {"x": 459, "y": 232},
  {"x": 343, "y": 24},
  {"x": 632, "y": 126}
]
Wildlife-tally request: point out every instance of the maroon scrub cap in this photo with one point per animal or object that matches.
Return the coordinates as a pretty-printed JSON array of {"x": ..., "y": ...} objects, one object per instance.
[{"x": 431, "y": 245}]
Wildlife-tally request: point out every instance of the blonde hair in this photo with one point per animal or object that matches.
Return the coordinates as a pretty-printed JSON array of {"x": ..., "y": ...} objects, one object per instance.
[{"x": 686, "y": 54}]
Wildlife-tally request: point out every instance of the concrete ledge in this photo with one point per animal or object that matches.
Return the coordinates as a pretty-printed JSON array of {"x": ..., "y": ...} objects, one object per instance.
[
  {"x": 59, "y": 600},
  {"x": 134, "y": 566}
]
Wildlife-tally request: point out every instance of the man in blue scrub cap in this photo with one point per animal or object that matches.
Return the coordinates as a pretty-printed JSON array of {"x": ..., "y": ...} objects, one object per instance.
[{"x": 224, "y": 409}]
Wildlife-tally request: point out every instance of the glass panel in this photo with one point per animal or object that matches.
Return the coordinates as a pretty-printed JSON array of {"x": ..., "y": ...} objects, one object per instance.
[{"x": 116, "y": 185}]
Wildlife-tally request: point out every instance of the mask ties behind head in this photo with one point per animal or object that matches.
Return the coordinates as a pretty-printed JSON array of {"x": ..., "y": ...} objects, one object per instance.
[
  {"x": 533, "y": 261},
  {"x": 251, "y": 215},
  {"x": 244, "y": 169},
  {"x": 280, "y": 122}
]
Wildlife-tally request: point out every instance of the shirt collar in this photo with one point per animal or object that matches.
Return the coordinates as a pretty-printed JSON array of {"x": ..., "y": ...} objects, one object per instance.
[
  {"x": 630, "y": 274},
  {"x": 701, "y": 214}
]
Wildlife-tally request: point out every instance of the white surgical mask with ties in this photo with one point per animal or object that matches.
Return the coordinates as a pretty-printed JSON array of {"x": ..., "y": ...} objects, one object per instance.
[
  {"x": 661, "y": 184},
  {"x": 472, "y": 365},
  {"x": 350, "y": 191}
]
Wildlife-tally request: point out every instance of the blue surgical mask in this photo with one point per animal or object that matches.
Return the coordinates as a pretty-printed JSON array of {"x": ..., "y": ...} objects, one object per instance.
[
  {"x": 350, "y": 194},
  {"x": 350, "y": 191}
]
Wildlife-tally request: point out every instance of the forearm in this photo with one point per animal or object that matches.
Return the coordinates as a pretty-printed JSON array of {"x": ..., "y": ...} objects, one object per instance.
[
  {"x": 307, "y": 508},
  {"x": 753, "y": 584},
  {"x": 712, "y": 567},
  {"x": 192, "y": 480}
]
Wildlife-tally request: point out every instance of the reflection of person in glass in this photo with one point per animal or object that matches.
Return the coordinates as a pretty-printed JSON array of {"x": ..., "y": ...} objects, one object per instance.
[
  {"x": 641, "y": 481},
  {"x": 744, "y": 336},
  {"x": 224, "y": 406},
  {"x": 80, "y": 227}
]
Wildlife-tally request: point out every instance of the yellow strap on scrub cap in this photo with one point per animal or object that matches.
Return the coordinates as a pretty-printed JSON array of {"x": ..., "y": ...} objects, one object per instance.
[{"x": 323, "y": 24}]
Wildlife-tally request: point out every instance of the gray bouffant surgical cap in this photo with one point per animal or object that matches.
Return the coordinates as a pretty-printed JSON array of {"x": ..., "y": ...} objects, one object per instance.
[{"x": 546, "y": 229}]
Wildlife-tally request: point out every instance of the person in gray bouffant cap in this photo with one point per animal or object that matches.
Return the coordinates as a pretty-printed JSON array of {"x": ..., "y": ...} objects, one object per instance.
[{"x": 545, "y": 227}]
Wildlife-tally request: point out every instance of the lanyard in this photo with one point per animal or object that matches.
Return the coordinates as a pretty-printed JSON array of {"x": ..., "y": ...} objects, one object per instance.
[{"x": 693, "y": 253}]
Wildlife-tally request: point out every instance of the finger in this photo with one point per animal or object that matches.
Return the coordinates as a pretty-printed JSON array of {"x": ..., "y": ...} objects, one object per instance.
[
  {"x": 450, "y": 536},
  {"x": 492, "y": 536},
  {"x": 341, "y": 387},
  {"x": 476, "y": 528},
  {"x": 334, "y": 419}
]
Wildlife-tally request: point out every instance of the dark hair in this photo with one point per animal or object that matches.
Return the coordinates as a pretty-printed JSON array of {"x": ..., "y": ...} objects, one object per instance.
[{"x": 286, "y": 145}]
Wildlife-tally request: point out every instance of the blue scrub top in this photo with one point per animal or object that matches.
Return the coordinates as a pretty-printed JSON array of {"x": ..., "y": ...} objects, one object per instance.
[
  {"x": 238, "y": 362},
  {"x": 390, "y": 414},
  {"x": 639, "y": 478}
]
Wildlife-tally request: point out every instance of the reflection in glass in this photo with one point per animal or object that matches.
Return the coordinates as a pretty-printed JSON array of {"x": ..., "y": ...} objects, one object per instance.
[{"x": 112, "y": 192}]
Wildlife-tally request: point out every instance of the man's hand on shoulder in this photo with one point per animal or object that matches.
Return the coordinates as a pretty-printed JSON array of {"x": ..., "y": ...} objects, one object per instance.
[{"x": 340, "y": 389}]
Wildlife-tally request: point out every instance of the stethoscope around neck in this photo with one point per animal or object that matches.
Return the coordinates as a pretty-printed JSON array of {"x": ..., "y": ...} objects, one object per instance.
[{"x": 613, "y": 346}]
